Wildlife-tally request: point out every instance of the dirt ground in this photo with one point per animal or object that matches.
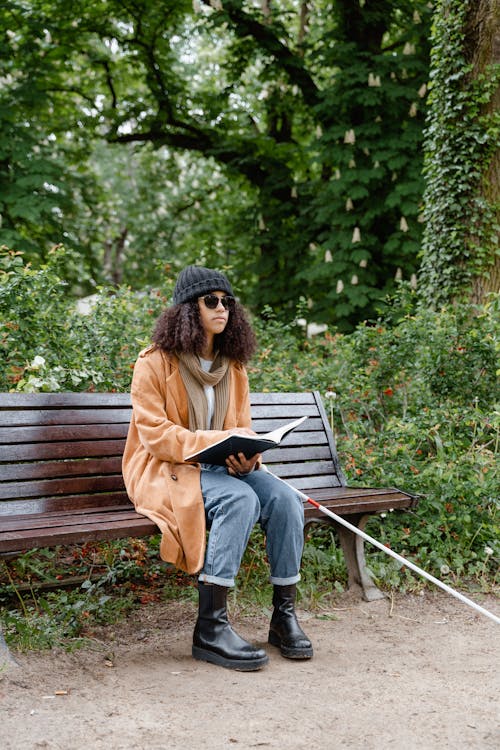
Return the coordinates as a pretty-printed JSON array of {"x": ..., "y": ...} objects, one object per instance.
[{"x": 409, "y": 672}]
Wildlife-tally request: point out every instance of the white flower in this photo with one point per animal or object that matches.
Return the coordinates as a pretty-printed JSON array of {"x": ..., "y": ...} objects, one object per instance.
[
  {"x": 373, "y": 80},
  {"x": 356, "y": 235},
  {"x": 340, "y": 286},
  {"x": 37, "y": 363},
  {"x": 444, "y": 570},
  {"x": 331, "y": 394},
  {"x": 488, "y": 551}
]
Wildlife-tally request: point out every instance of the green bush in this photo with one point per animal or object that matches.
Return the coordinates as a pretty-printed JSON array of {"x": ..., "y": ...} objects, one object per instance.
[
  {"x": 46, "y": 344},
  {"x": 417, "y": 406}
]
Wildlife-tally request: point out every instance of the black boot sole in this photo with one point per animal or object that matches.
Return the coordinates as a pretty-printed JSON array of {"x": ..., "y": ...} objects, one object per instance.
[
  {"x": 240, "y": 665},
  {"x": 288, "y": 651}
]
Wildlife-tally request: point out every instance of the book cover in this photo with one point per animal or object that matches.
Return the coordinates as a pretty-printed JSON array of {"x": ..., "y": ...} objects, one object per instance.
[{"x": 247, "y": 444}]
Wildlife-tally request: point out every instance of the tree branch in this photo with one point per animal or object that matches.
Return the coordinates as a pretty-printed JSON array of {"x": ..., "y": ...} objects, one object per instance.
[
  {"x": 109, "y": 81},
  {"x": 245, "y": 25},
  {"x": 241, "y": 156}
]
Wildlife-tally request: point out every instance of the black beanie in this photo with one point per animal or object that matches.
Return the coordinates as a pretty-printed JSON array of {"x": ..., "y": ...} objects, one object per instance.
[{"x": 195, "y": 281}]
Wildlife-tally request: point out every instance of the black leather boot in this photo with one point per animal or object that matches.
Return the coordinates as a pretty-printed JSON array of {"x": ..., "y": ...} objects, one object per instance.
[
  {"x": 284, "y": 630},
  {"x": 215, "y": 641}
]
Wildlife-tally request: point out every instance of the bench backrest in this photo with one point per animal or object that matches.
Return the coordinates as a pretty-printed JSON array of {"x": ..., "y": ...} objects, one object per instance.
[{"x": 63, "y": 451}]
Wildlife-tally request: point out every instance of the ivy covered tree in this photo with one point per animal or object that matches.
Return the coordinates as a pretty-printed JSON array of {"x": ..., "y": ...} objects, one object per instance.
[
  {"x": 307, "y": 119},
  {"x": 461, "y": 250}
]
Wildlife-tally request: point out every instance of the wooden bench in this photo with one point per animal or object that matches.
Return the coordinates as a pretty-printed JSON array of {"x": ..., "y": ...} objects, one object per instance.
[{"x": 61, "y": 481}]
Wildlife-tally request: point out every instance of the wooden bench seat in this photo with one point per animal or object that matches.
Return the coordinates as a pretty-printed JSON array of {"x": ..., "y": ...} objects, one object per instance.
[{"x": 61, "y": 481}]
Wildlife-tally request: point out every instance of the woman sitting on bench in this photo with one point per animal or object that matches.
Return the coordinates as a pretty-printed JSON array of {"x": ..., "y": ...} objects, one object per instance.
[{"x": 190, "y": 389}]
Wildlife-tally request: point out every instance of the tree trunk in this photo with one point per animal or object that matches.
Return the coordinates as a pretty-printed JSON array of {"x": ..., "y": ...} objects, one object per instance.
[{"x": 482, "y": 50}]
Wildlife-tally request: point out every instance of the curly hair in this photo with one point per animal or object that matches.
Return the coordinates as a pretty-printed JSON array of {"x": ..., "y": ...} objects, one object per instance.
[{"x": 179, "y": 329}]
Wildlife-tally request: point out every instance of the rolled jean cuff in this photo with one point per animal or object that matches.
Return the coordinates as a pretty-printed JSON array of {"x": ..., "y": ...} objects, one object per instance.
[
  {"x": 284, "y": 581},
  {"x": 227, "y": 582}
]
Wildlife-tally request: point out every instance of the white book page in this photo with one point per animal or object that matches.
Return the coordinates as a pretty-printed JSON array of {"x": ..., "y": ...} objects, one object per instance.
[{"x": 277, "y": 434}]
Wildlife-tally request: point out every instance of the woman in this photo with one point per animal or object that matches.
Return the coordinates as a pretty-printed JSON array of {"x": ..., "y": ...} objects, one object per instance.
[{"x": 189, "y": 390}]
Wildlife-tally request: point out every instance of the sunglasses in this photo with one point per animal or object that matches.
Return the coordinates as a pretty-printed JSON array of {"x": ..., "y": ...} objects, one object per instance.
[{"x": 212, "y": 300}]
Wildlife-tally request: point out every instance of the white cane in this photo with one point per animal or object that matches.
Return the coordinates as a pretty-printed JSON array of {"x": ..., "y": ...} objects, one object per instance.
[{"x": 390, "y": 552}]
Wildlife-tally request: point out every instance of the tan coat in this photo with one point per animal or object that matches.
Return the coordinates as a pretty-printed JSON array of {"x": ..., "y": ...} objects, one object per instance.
[{"x": 159, "y": 483}]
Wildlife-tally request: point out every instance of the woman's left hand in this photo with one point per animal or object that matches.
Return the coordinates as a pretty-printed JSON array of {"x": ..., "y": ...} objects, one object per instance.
[{"x": 239, "y": 465}]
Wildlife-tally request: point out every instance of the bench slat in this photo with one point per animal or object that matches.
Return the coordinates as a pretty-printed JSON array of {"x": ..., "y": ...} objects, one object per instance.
[
  {"x": 284, "y": 411},
  {"x": 52, "y": 433},
  {"x": 74, "y": 518},
  {"x": 360, "y": 506},
  {"x": 60, "y": 486},
  {"x": 41, "y": 451},
  {"x": 299, "y": 397},
  {"x": 311, "y": 469},
  {"x": 65, "y": 416},
  {"x": 63, "y": 400},
  {"x": 65, "y": 468},
  {"x": 89, "y": 531},
  {"x": 306, "y": 453},
  {"x": 61, "y": 504}
]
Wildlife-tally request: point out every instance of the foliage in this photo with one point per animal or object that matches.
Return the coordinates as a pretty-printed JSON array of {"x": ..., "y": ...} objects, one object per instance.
[
  {"x": 421, "y": 411},
  {"x": 46, "y": 344},
  {"x": 115, "y": 578},
  {"x": 461, "y": 236},
  {"x": 365, "y": 217},
  {"x": 284, "y": 140},
  {"x": 44, "y": 188}
]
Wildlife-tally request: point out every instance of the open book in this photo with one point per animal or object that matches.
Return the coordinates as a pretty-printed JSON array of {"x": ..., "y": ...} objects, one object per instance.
[{"x": 247, "y": 444}]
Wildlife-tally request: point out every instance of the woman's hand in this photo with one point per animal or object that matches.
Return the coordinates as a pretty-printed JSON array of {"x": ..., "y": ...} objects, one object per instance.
[{"x": 239, "y": 465}]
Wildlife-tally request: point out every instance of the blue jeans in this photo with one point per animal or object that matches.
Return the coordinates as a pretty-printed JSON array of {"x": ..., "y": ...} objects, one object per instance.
[{"x": 233, "y": 505}]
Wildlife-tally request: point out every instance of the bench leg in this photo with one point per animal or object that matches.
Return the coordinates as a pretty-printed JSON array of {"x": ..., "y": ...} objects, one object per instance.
[
  {"x": 354, "y": 555},
  {"x": 353, "y": 547}
]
